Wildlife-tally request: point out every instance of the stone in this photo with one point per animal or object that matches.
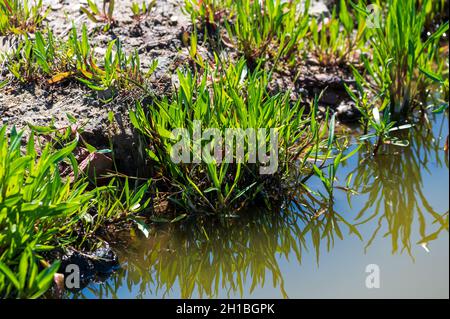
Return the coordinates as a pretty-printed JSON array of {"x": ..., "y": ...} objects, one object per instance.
[{"x": 347, "y": 112}]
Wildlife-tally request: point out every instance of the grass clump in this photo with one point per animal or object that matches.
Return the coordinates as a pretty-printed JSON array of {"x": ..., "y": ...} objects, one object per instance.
[
  {"x": 45, "y": 57},
  {"x": 48, "y": 202},
  {"x": 209, "y": 13},
  {"x": 38, "y": 210},
  {"x": 399, "y": 52},
  {"x": 259, "y": 30},
  {"x": 21, "y": 16},
  {"x": 37, "y": 57},
  {"x": 143, "y": 10},
  {"x": 116, "y": 71},
  {"x": 268, "y": 30},
  {"x": 376, "y": 125},
  {"x": 333, "y": 41},
  {"x": 95, "y": 14},
  {"x": 216, "y": 101}
]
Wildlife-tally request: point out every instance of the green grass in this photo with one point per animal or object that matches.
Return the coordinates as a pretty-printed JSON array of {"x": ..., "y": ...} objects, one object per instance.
[
  {"x": 115, "y": 71},
  {"x": 399, "y": 70},
  {"x": 271, "y": 31},
  {"x": 399, "y": 52},
  {"x": 21, "y": 16},
  {"x": 333, "y": 41},
  {"x": 95, "y": 14},
  {"x": 48, "y": 59},
  {"x": 38, "y": 210},
  {"x": 441, "y": 101},
  {"x": 376, "y": 125},
  {"x": 219, "y": 186},
  {"x": 45, "y": 204},
  {"x": 141, "y": 11},
  {"x": 208, "y": 13}
]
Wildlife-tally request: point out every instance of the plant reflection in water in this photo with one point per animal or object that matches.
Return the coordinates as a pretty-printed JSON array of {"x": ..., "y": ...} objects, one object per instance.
[{"x": 237, "y": 256}]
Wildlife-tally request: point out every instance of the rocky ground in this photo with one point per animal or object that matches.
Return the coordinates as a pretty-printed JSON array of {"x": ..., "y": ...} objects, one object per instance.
[{"x": 155, "y": 38}]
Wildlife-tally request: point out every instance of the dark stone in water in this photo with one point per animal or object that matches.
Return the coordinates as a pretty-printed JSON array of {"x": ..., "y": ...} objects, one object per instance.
[
  {"x": 96, "y": 265},
  {"x": 105, "y": 261},
  {"x": 347, "y": 112}
]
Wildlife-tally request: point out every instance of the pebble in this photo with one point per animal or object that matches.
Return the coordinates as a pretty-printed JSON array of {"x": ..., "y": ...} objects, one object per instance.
[
  {"x": 173, "y": 21},
  {"x": 347, "y": 112}
]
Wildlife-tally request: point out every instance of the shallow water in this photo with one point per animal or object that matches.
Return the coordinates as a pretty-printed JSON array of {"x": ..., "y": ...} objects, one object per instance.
[{"x": 397, "y": 221}]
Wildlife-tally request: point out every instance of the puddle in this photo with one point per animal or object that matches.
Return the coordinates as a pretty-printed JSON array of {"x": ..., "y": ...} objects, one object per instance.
[{"x": 402, "y": 202}]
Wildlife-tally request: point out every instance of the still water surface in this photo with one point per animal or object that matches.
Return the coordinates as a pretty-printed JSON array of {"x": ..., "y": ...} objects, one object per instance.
[{"x": 398, "y": 220}]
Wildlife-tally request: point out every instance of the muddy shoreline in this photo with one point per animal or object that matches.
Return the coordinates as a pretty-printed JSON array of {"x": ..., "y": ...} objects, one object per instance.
[{"x": 103, "y": 116}]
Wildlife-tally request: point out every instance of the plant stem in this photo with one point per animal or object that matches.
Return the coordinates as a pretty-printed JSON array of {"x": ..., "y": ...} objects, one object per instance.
[{"x": 377, "y": 146}]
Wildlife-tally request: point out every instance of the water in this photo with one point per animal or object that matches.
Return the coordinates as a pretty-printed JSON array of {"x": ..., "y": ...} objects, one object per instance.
[{"x": 398, "y": 221}]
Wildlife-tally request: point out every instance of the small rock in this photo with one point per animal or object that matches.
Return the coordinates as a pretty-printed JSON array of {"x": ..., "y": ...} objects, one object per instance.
[
  {"x": 318, "y": 9},
  {"x": 57, "y": 6},
  {"x": 347, "y": 112},
  {"x": 96, "y": 165},
  {"x": 173, "y": 21},
  {"x": 58, "y": 279},
  {"x": 330, "y": 97},
  {"x": 54, "y": 4},
  {"x": 100, "y": 51},
  {"x": 74, "y": 8},
  {"x": 322, "y": 109}
]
